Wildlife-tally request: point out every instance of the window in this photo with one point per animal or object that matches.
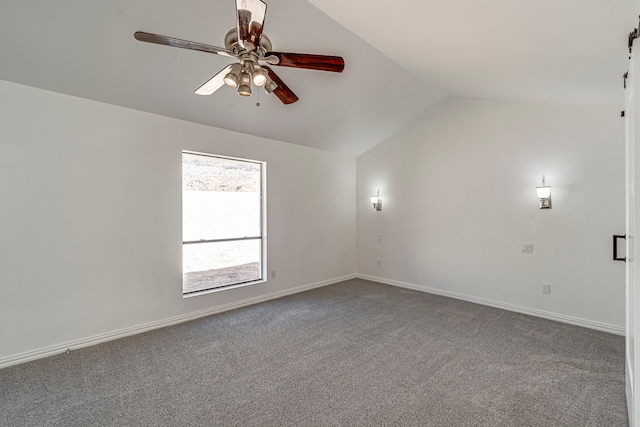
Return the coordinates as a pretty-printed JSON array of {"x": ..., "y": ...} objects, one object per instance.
[{"x": 222, "y": 222}]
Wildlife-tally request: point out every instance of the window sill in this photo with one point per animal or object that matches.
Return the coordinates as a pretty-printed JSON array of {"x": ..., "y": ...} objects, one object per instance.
[{"x": 226, "y": 288}]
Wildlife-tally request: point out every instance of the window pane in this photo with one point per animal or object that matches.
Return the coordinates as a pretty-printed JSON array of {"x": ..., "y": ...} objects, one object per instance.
[
  {"x": 220, "y": 198},
  {"x": 212, "y": 215},
  {"x": 212, "y": 265}
]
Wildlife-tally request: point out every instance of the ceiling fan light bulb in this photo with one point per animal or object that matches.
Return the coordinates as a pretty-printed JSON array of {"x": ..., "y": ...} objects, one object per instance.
[
  {"x": 232, "y": 78},
  {"x": 259, "y": 77}
]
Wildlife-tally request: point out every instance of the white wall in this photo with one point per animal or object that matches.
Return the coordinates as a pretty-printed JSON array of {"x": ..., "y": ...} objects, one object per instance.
[
  {"x": 458, "y": 190},
  {"x": 90, "y": 198},
  {"x": 90, "y": 214}
]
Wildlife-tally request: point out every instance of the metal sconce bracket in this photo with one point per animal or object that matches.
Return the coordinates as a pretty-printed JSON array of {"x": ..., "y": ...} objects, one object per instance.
[{"x": 545, "y": 203}]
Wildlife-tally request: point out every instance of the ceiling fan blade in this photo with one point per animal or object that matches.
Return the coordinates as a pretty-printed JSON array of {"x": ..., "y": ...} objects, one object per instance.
[
  {"x": 250, "y": 14},
  {"x": 312, "y": 62},
  {"x": 214, "y": 83},
  {"x": 183, "y": 44},
  {"x": 283, "y": 92}
]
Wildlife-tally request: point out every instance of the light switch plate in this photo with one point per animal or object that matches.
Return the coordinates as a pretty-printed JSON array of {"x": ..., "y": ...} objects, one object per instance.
[{"x": 527, "y": 248}]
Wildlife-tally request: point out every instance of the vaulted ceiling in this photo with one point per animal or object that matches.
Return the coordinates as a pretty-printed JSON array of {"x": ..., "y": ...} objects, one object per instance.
[
  {"x": 536, "y": 50},
  {"x": 403, "y": 58}
]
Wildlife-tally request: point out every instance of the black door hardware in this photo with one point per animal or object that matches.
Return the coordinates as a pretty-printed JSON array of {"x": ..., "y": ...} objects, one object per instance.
[{"x": 615, "y": 247}]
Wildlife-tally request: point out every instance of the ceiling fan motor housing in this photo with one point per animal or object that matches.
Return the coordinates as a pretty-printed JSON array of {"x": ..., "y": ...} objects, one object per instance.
[{"x": 231, "y": 42}]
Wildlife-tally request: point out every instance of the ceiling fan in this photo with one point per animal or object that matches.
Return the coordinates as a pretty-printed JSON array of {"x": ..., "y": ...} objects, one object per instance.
[{"x": 252, "y": 50}]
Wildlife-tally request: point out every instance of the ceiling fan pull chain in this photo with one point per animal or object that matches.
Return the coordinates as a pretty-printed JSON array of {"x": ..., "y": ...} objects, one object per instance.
[{"x": 258, "y": 103}]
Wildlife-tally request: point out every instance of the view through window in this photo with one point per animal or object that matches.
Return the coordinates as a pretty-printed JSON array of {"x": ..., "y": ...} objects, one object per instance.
[{"x": 221, "y": 222}]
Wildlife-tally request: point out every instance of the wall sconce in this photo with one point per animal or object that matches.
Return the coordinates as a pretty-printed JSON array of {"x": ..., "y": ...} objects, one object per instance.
[
  {"x": 544, "y": 194},
  {"x": 377, "y": 201}
]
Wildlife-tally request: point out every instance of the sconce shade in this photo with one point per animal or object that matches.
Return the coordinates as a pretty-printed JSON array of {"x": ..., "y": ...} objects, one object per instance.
[
  {"x": 544, "y": 196},
  {"x": 543, "y": 192},
  {"x": 376, "y": 201}
]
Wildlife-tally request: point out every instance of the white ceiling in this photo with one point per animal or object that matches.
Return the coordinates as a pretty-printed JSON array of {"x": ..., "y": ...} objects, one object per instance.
[
  {"x": 546, "y": 50},
  {"x": 537, "y": 50},
  {"x": 86, "y": 48}
]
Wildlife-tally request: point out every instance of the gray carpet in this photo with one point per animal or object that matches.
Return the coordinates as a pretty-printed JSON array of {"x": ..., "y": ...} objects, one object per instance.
[{"x": 355, "y": 353}]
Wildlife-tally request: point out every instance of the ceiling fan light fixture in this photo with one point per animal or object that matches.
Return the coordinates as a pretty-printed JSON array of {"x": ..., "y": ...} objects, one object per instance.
[
  {"x": 249, "y": 47},
  {"x": 270, "y": 86},
  {"x": 245, "y": 84},
  {"x": 232, "y": 78},
  {"x": 259, "y": 77},
  {"x": 249, "y": 67}
]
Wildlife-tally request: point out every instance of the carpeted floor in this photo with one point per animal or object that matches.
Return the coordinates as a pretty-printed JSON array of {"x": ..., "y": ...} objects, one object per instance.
[{"x": 356, "y": 353}]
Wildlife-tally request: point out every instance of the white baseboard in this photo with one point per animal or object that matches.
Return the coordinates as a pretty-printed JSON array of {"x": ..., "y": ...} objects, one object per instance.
[
  {"x": 121, "y": 333},
  {"x": 505, "y": 306}
]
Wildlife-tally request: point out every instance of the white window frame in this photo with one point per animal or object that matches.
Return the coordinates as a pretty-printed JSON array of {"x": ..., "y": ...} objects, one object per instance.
[{"x": 263, "y": 226}]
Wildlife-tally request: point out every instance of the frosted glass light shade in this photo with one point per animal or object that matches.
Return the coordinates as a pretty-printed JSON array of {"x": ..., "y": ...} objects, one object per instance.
[
  {"x": 259, "y": 77},
  {"x": 232, "y": 78},
  {"x": 376, "y": 201},
  {"x": 543, "y": 192},
  {"x": 544, "y": 196}
]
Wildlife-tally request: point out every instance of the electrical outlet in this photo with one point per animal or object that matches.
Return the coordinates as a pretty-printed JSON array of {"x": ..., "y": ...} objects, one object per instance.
[
  {"x": 273, "y": 274},
  {"x": 527, "y": 248},
  {"x": 546, "y": 288},
  {"x": 379, "y": 237},
  {"x": 379, "y": 262}
]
